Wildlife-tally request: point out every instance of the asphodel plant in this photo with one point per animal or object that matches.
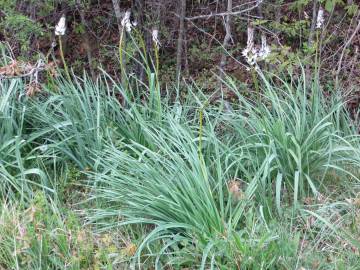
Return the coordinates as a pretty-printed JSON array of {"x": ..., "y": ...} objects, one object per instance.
[
  {"x": 60, "y": 30},
  {"x": 126, "y": 25}
]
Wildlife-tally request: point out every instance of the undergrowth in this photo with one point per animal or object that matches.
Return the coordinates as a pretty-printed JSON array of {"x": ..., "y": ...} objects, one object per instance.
[{"x": 95, "y": 175}]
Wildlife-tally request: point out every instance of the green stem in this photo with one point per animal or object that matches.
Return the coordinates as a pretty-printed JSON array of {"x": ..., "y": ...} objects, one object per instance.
[
  {"x": 200, "y": 131},
  {"x": 157, "y": 86},
  {"x": 156, "y": 49},
  {"x": 63, "y": 59},
  {"x": 122, "y": 65},
  {"x": 317, "y": 56},
  {"x": 256, "y": 83},
  {"x": 201, "y": 126}
]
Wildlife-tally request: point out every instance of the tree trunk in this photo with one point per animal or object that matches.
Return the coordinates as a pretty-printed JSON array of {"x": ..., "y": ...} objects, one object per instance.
[
  {"x": 116, "y": 6},
  {"x": 85, "y": 37},
  {"x": 311, "y": 39},
  {"x": 227, "y": 37},
  {"x": 180, "y": 43},
  {"x": 186, "y": 67}
]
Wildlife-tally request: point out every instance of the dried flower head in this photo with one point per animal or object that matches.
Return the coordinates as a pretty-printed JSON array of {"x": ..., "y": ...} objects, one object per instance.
[
  {"x": 130, "y": 249},
  {"x": 320, "y": 18},
  {"x": 60, "y": 28},
  {"x": 236, "y": 189},
  {"x": 125, "y": 22},
  {"x": 32, "y": 89},
  {"x": 155, "y": 38}
]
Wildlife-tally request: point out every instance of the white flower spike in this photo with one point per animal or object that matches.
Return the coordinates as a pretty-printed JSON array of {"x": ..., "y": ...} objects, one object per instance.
[
  {"x": 60, "y": 28},
  {"x": 155, "y": 38},
  {"x": 250, "y": 45},
  {"x": 265, "y": 49},
  {"x": 125, "y": 22},
  {"x": 253, "y": 53},
  {"x": 320, "y": 18}
]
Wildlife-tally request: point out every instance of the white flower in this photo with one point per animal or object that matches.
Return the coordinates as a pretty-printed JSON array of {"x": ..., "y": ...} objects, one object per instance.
[
  {"x": 252, "y": 53},
  {"x": 155, "y": 37},
  {"x": 265, "y": 49},
  {"x": 60, "y": 28},
  {"x": 249, "y": 46},
  {"x": 320, "y": 18},
  {"x": 125, "y": 22},
  {"x": 250, "y": 38}
]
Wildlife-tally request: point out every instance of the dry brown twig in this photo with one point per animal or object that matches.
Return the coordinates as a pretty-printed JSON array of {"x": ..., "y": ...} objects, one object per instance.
[{"x": 18, "y": 69}]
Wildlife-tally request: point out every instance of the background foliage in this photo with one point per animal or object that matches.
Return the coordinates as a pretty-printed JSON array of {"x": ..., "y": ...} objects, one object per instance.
[{"x": 117, "y": 152}]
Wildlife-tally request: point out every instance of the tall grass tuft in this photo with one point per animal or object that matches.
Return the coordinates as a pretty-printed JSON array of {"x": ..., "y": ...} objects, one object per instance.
[
  {"x": 18, "y": 175},
  {"x": 184, "y": 198},
  {"x": 302, "y": 136},
  {"x": 78, "y": 117}
]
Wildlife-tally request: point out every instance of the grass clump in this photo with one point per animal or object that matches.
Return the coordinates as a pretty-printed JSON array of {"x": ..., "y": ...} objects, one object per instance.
[
  {"x": 185, "y": 201},
  {"x": 301, "y": 136},
  {"x": 78, "y": 117},
  {"x": 18, "y": 175}
]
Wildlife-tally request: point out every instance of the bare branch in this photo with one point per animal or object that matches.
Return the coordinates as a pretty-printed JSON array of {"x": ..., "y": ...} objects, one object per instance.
[
  {"x": 343, "y": 53},
  {"x": 222, "y": 14},
  {"x": 227, "y": 38}
]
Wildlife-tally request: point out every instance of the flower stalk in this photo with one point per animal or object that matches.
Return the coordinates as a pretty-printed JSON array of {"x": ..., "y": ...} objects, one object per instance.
[
  {"x": 156, "y": 44},
  {"x": 63, "y": 59},
  {"x": 127, "y": 26},
  {"x": 122, "y": 60},
  {"x": 60, "y": 30},
  {"x": 319, "y": 25}
]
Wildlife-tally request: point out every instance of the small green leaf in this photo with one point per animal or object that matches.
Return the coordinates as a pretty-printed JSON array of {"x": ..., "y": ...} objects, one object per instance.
[
  {"x": 352, "y": 9},
  {"x": 329, "y": 5}
]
